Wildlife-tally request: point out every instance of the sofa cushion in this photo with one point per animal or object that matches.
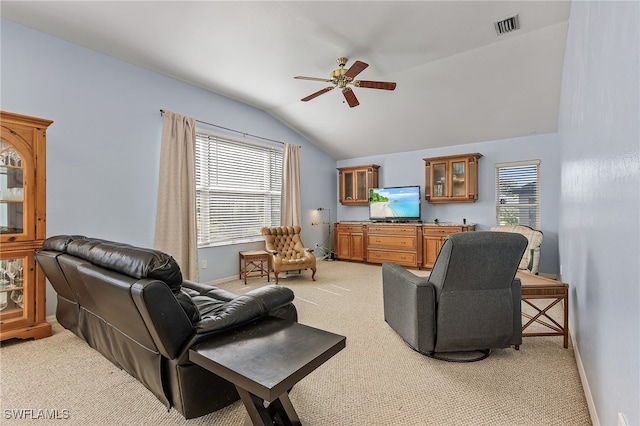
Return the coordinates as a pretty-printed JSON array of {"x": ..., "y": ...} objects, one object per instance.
[{"x": 136, "y": 262}]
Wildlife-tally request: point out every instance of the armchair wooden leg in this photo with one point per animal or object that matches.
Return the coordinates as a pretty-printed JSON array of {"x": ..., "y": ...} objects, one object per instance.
[{"x": 313, "y": 274}]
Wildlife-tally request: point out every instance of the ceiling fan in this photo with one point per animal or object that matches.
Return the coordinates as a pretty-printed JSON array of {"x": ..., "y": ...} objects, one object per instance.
[{"x": 344, "y": 78}]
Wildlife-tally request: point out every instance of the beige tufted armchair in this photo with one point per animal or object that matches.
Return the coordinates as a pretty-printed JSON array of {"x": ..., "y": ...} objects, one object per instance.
[{"x": 287, "y": 252}]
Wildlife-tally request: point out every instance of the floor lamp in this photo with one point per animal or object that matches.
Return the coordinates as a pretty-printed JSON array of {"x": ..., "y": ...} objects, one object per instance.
[{"x": 330, "y": 255}]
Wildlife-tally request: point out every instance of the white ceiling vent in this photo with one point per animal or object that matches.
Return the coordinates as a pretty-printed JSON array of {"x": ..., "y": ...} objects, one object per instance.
[{"x": 507, "y": 25}]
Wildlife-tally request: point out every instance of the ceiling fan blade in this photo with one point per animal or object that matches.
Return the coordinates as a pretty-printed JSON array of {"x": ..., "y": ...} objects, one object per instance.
[
  {"x": 299, "y": 77},
  {"x": 350, "y": 97},
  {"x": 384, "y": 85},
  {"x": 318, "y": 93},
  {"x": 355, "y": 69}
]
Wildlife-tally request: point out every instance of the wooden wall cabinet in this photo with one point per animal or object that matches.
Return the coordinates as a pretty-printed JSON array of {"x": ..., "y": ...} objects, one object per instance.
[
  {"x": 394, "y": 243},
  {"x": 355, "y": 182},
  {"x": 452, "y": 179},
  {"x": 433, "y": 237},
  {"x": 22, "y": 226},
  {"x": 349, "y": 244}
]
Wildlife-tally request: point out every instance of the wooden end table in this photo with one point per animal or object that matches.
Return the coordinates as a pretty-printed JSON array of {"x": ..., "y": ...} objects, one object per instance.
[
  {"x": 254, "y": 263},
  {"x": 537, "y": 287},
  {"x": 264, "y": 360}
]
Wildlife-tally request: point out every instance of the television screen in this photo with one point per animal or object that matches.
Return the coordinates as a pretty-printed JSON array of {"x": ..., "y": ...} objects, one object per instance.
[{"x": 398, "y": 203}]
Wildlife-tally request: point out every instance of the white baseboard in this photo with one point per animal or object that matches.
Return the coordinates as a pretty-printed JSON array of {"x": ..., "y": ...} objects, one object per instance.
[{"x": 585, "y": 383}]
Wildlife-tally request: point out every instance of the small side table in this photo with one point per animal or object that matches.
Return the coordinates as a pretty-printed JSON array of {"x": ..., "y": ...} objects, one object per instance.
[
  {"x": 252, "y": 264},
  {"x": 290, "y": 351},
  {"x": 537, "y": 287}
]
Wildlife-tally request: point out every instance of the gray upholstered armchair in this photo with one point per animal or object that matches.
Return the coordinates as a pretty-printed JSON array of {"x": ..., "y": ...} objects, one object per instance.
[{"x": 469, "y": 303}]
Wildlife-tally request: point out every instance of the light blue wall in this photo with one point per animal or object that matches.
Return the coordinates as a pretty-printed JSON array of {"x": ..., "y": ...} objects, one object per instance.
[
  {"x": 104, "y": 145},
  {"x": 407, "y": 168},
  {"x": 600, "y": 208}
]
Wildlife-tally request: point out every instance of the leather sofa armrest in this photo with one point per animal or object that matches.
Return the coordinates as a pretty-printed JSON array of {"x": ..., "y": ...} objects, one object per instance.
[
  {"x": 168, "y": 325},
  {"x": 246, "y": 308}
]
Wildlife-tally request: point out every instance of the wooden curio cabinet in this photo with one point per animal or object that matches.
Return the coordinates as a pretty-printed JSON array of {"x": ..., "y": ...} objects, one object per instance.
[
  {"x": 355, "y": 183},
  {"x": 22, "y": 226},
  {"x": 452, "y": 179}
]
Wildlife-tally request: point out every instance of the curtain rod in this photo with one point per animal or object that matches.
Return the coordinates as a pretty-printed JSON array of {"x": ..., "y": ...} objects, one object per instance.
[{"x": 245, "y": 134}]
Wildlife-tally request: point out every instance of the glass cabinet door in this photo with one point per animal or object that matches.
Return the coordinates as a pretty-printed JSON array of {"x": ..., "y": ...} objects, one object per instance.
[
  {"x": 16, "y": 269},
  {"x": 12, "y": 192},
  {"x": 458, "y": 174},
  {"x": 348, "y": 186},
  {"x": 362, "y": 186},
  {"x": 439, "y": 179}
]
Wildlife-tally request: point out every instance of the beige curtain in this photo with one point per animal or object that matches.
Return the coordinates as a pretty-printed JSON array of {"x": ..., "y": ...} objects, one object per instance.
[
  {"x": 176, "y": 213},
  {"x": 290, "y": 210}
]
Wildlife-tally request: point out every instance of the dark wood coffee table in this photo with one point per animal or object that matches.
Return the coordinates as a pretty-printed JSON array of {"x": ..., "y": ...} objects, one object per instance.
[{"x": 264, "y": 360}]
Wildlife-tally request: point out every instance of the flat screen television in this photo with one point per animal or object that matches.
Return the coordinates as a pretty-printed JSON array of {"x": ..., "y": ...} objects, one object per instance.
[{"x": 394, "y": 204}]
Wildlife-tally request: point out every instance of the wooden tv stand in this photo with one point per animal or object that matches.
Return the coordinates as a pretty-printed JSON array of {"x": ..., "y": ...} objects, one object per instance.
[{"x": 414, "y": 245}]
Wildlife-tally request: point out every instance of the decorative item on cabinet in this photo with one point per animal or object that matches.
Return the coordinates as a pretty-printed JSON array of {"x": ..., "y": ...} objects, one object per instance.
[
  {"x": 22, "y": 226},
  {"x": 355, "y": 183},
  {"x": 452, "y": 179}
]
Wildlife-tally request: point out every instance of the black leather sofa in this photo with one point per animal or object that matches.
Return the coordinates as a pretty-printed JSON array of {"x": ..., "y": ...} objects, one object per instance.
[{"x": 132, "y": 305}]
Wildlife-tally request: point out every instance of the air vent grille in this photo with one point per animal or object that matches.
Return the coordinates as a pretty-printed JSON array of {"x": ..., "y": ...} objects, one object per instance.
[{"x": 507, "y": 25}]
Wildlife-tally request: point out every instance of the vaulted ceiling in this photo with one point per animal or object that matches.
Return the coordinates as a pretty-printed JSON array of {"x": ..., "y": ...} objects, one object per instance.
[{"x": 457, "y": 81}]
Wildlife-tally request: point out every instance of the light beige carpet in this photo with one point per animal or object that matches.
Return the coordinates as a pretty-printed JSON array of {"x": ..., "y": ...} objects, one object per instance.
[{"x": 375, "y": 380}]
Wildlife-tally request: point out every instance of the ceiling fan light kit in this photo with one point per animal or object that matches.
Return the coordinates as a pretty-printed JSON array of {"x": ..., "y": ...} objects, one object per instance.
[{"x": 343, "y": 78}]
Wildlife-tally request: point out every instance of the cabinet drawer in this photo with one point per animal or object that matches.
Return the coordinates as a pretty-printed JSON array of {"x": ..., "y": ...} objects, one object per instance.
[
  {"x": 392, "y": 229},
  {"x": 441, "y": 230},
  {"x": 401, "y": 258},
  {"x": 393, "y": 242},
  {"x": 349, "y": 228}
]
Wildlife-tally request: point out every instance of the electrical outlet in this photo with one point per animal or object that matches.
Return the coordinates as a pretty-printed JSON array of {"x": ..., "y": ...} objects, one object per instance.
[{"x": 204, "y": 264}]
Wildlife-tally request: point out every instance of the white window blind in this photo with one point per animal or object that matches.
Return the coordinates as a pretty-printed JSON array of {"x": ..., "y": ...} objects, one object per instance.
[
  {"x": 518, "y": 193},
  {"x": 238, "y": 188}
]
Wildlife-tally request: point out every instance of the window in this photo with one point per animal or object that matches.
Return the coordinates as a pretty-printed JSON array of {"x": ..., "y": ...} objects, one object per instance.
[
  {"x": 518, "y": 193},
  {"x": 238, "y": 188}
]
